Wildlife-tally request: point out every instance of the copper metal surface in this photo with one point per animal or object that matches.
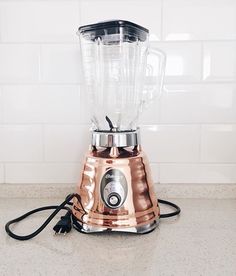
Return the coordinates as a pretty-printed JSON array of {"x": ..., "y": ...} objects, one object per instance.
[{"x": 140, "y": 207}]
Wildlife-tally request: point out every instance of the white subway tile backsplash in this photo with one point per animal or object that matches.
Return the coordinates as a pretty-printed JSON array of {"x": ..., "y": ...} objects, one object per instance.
[
  {"x": 155, "y": 172},
  {"x": 199, "y": 19},
  {"x": 36, "y": 21},
  {"x": 146, "y": 13},
  {"x": 219, "y": 61},
  {"x": 184, "y": 61},
  {"x": 2, "y": 177},
  {"x": 62, "y": 104},
  {"x": 66, "y": 143},
  {"x": 171, "y": 143},
  {"x": 199, "y": 103},
  {"x": 151, "y": 113},
  {"x": 19, "y": 63},
  {"x": 41, "y": 104},
  {"x": 22, "y": 104},
  {"x": 218, "y": 143},
  {"x": 1, "y": 106},
  {"x": 198, "y": 173},
  {"x": 42, "y": 173},
  {"x": 85, "y": 109},
  {"x": 60, "y": 63},
  {"x": 189, "y": 135},
  {"x": 21, "y": 143}
]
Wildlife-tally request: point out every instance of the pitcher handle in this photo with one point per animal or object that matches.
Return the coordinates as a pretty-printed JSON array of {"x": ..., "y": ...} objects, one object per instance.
[{"x": 155, "y": 71}]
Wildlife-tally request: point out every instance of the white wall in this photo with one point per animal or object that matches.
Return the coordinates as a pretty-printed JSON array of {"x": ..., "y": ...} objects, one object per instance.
[{"x": 190, "y": 135}]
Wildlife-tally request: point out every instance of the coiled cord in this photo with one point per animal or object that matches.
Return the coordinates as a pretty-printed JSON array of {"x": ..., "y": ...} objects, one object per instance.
[{"x": 64, "y": 225}]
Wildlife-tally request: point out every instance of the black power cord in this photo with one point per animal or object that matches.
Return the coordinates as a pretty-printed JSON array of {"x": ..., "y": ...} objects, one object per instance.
[
  {"x": 64, "y": 225},
  {"x": 172, "y": 214},
  {"x": 57, "y": 208}
]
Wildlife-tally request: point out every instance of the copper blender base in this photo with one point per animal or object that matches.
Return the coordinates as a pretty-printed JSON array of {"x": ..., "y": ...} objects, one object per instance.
[
  {"x": 138, "y": 211},
  {"x": 89, "y": 229}
]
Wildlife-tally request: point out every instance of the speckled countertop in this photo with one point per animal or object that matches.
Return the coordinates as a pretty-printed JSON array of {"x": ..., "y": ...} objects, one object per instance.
[{"x": 202, "y": 241}]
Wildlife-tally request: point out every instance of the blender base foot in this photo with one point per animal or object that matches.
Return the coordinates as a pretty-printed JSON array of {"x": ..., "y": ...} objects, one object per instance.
[{"x": 89, "y": 229}]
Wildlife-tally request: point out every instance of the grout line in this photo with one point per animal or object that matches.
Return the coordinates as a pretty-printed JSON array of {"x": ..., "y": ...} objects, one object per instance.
[
  {"x": 1, "y": 104},
  {"x": 80, "y": 13},
  {"x": 43, "y": 143},
  {"x": 202, "y": 62},
  {"x": 81, "y": 162},
  {"x": 162, "y": 8},
  {"x": 196, "y": 163},
  {"x": 38, "y": 42},
  {"x": 46, "y": 124},
  {"x": 39, "y": 1},
  {"x": 159, "y": 169},
  {"x": 200, "y": 144},
  {"x": 181, "y": 124},
  {"x": 195, "y": 41},
  {"x": 4, "y": 172},
  {"x": 42, "y": 83},
  {"x": 40, "y": 63},
  {"x": 0, "y": 35},
  {"x": 201, "y": 83},
  {"x": 201, "y": 138},
  {"x": 42, "y": 163},
  {"x": 151, "y": 41},
  {"x": 185, "y": 124},
  {"x": 193, "y": 163},
  {"x": 223, "y": 81}
]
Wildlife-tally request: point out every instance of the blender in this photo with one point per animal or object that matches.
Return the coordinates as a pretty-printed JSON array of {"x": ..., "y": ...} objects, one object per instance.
[{"x": 122, "y": 74}]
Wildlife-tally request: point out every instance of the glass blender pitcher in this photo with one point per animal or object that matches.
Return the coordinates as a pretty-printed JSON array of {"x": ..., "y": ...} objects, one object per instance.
[{"x": 122, "y": 74}]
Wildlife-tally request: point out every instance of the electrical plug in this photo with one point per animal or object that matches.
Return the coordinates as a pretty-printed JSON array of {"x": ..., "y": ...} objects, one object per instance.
[{"x": 64, "y": 225}]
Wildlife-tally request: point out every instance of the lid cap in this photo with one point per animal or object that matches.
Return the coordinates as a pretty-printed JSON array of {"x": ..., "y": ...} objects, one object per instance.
[{"x": 127, "y": 30}]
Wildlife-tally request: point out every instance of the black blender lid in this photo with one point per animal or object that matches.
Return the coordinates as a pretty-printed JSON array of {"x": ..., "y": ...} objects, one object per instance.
[
  {"x": 110, "y": 24},
  {"x": 114, "y": 27}
]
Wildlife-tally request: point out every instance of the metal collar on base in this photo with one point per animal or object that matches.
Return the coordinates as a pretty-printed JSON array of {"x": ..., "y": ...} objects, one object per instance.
[{"x": 115, "y": 139}]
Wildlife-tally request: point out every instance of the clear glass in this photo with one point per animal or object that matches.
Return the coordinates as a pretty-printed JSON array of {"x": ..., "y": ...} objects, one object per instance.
[{"x": 120, "y": 77}]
